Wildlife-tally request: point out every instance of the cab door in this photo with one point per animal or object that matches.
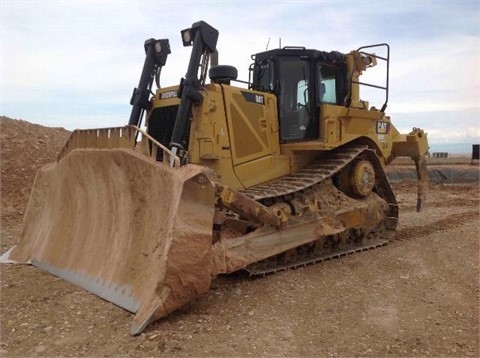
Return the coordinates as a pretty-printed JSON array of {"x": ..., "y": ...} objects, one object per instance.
[{"x": 296, "y": 100}]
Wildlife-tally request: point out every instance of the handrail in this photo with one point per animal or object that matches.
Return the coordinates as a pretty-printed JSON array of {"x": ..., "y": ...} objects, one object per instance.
[
  {"x": 116, "y": 137},
  {"x": 176, "y": 159},
  {"x": 387, "y": 78}
]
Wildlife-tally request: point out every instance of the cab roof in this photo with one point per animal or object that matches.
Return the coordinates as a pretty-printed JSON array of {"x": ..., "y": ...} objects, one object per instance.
[{"x": 334, "y": 57}]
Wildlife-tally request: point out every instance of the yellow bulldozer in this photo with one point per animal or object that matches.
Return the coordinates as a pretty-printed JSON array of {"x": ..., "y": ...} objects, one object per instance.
[{"x": 280, "y": 171}]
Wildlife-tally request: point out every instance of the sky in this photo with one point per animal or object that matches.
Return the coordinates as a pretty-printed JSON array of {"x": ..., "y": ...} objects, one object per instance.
[{"x": 74, "y": 64}]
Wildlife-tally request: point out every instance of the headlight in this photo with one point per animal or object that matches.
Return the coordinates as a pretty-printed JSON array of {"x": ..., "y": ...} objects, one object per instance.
[{"x": 187, "y": 37}]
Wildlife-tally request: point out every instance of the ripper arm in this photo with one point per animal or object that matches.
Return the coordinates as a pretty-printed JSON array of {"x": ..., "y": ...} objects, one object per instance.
[{"x": 414, "y": 145}]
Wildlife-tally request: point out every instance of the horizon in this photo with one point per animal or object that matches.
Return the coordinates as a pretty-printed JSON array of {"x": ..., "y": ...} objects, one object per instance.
[{"x": 453, "y": 148}]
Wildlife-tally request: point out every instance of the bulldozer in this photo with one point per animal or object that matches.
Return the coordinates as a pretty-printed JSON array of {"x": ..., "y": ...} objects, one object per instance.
[{"x": 280, "y": 171}]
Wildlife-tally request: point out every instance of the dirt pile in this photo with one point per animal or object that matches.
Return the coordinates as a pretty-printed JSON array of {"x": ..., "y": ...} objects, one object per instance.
[{"x": 25, "y": 148}]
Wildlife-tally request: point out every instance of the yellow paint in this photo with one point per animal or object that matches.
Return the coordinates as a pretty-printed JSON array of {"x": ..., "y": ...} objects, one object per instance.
[{"x": 238, "y": 137}]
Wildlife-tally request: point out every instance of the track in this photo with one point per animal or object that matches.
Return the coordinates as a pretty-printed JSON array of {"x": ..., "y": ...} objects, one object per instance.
[
  {"x": 313, "y": 174},
  {"x": 347, "y": 250},
  {"x": 301, "y": 184}
]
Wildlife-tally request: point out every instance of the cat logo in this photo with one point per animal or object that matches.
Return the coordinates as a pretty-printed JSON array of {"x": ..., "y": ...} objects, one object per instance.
[{"x": 382, "y": 127}]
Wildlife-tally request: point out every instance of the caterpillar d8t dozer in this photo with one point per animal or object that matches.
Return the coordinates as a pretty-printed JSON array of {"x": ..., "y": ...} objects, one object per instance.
[{"x": 284, "y": 170}]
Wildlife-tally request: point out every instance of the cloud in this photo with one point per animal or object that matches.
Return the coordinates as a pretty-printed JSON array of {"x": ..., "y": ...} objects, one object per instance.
[{"x": 75, "y": 63}]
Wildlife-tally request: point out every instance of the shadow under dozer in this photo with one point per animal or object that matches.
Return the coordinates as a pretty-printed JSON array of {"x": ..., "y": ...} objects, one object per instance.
[{"x": 131, "y": 230}]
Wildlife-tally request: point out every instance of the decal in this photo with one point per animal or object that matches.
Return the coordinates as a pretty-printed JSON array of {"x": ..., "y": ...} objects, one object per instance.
[
  {"x": 253, "y": 97},
  {"x": 382, "y": 137},
  {"x": 383, "y": 127},
  {"x": 169, "y": 94}
]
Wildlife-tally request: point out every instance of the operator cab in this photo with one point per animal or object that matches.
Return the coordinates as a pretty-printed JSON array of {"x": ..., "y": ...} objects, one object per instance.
[{"x": 302, "y": 80}]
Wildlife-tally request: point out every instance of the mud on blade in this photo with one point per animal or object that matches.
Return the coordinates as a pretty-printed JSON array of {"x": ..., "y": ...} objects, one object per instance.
[{"x": 128, "y": 229}]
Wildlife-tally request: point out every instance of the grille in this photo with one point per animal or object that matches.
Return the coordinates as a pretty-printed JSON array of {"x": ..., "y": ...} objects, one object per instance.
[{"x": 160, "y": 126}]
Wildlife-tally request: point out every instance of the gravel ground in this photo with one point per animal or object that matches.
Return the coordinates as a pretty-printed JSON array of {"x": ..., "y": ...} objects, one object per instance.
[{"x": 417, "y": 296}]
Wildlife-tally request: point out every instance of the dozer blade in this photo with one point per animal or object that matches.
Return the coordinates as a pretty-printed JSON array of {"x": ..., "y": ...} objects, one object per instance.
[{"x": 124, "y": 227}]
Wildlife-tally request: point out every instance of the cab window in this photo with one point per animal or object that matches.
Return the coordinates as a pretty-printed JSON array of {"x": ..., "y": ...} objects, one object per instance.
[
  {"x": 302, "y": 93},
  {"x": 296, "y": 113},
  {"x": 327, "y": 84},
  {"x": 264, "y": 76}
]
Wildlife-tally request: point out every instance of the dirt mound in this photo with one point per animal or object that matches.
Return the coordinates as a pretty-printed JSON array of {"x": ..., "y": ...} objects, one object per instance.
[{"x": 25, "y": 148}]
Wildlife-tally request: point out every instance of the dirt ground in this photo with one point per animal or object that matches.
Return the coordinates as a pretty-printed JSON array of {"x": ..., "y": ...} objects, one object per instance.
[{"x": 417, "y": 296}]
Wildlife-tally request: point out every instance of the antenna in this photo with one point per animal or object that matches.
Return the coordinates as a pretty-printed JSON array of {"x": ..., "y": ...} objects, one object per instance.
[
  {"x": 268, "y": 43},
  {"x": 280, "y": 42}
]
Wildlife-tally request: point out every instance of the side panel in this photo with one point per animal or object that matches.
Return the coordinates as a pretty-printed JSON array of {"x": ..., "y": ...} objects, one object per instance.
[
  {"x": 340, "y": 125},
  {"x": 263, "y": 169},
  {"x": 250, "y": 125},
  {"x": 372, "y": 124},
  {"x": 210, "y": 142},
  {"x": 254, "y": 134},
  {"x": 234, "y": 131}
]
